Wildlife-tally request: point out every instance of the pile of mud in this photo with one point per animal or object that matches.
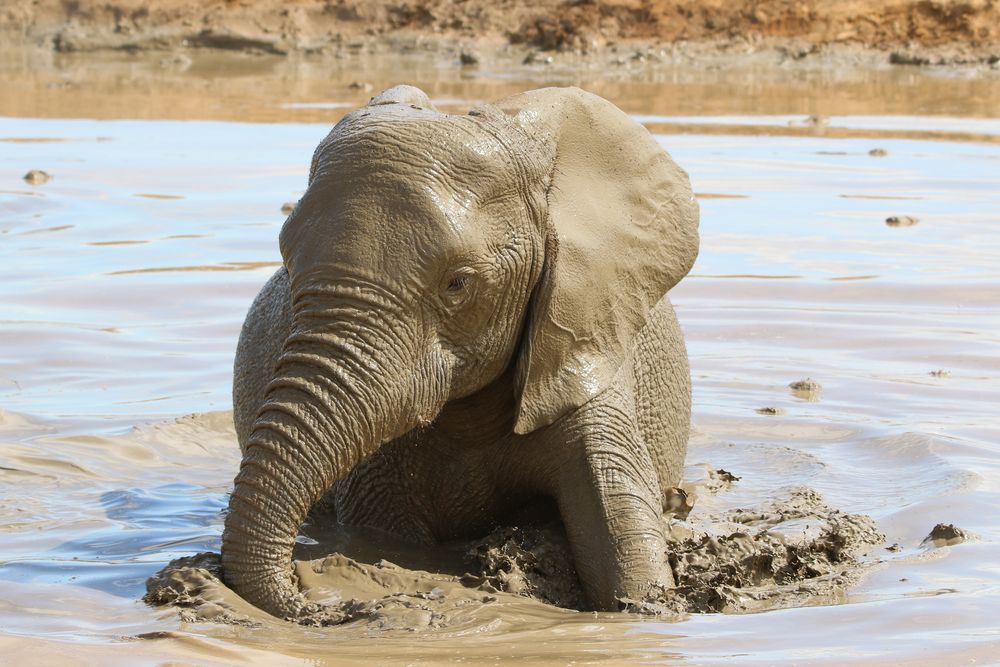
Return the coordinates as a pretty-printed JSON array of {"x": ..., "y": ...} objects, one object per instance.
[
  {"x": 381, "y": 595},
  {"x": 793, "y": 551},
  {"x": 959, "y": 31},
  {"x": 744, "y": 560}
]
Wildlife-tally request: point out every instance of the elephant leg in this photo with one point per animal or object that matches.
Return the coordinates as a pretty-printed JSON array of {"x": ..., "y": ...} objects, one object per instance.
[
  {"x": 610, "y": 502},
  {"x": 663, "y": 392}
]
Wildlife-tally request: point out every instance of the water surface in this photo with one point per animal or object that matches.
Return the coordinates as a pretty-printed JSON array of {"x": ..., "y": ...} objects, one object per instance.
[{"x": 125, "y": 278}]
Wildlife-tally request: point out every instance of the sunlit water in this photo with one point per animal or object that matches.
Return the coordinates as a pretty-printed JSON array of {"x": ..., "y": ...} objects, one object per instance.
[{"x": 124, "y": 281}]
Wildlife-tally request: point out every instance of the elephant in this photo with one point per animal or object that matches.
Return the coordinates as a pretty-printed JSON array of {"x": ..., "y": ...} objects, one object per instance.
[{"x": 471, "y": 316}]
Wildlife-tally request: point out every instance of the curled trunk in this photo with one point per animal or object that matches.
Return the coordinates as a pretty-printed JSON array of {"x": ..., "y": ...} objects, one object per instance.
[
  {"x": 294, "y": 455},
  {"x": 333, "y": 402}
]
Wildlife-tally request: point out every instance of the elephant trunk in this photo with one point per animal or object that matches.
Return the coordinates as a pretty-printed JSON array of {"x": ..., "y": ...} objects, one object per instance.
[{"x": 335, "y": 399}]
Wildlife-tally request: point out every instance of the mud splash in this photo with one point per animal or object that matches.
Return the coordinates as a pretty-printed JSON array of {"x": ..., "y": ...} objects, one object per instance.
[
  {"x": 789, "y": 552},
  {"x": 380, "y": 595}
]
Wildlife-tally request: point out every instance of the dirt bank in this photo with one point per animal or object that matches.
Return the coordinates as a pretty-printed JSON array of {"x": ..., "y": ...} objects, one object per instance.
[{"x": 902, "y": 31}]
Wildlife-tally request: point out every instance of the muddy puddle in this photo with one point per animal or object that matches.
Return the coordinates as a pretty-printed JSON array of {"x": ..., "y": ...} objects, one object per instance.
[{"x": 838, "y": 503}]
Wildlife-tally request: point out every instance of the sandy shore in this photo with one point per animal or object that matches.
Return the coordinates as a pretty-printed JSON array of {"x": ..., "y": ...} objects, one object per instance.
[{"x": 917, "y": 32}]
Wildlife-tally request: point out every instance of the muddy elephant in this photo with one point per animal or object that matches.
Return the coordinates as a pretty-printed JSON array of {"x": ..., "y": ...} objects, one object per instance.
[{"x": 471, "y": 316}]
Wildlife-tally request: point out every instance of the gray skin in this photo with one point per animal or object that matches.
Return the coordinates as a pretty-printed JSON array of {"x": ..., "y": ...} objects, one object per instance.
[{"x": 442, "y": 303}]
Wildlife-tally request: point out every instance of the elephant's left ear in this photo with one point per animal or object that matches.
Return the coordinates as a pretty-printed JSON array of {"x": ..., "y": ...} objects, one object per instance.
[{"x": 623, "y": 228}]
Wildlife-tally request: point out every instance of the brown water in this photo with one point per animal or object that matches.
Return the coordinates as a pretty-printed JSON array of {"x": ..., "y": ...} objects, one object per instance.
[{"x": 124, "y": 280}]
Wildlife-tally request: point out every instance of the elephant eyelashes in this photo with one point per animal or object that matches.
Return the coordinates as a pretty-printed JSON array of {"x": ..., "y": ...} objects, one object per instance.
[{"x": 458, "y": 288}]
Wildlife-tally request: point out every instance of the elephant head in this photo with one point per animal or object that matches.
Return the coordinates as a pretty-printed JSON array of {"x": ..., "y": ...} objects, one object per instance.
[{"x": 432, "y": 253}]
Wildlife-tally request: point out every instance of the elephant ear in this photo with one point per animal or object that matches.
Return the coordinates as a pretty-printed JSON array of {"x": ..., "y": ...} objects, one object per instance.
[{"x": 622, "y": 229}]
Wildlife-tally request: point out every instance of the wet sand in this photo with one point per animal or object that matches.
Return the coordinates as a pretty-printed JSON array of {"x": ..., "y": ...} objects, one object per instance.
[{"x": 125, "y": 278}]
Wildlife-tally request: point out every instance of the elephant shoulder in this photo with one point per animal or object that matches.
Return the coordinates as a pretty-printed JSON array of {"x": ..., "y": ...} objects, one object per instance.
[{"x": 274, "y": 298}]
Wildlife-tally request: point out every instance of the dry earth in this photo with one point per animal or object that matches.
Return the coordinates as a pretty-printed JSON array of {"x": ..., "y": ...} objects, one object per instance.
[{"x": 904, "y": 31}]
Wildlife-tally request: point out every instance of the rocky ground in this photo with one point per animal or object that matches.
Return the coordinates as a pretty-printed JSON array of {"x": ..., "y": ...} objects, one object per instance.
[{"x": 922, "y": 32}]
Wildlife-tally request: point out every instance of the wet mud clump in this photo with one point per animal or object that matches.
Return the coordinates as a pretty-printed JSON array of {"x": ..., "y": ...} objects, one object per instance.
[
  {"x": 37, "y": 177},
  {"x": 781, "y": 555},
  {"x": 678, "y": 502},
  {"x": 901, "y": 221},
  {"x": 778, "y": 556},
  {"x": 377, "y": 596},
  {"x": 531, "y": 561},
  {"x": 808, "y": 389},
  {"x": 190, "y": 585},
  {"x": 945, "y": 535}
]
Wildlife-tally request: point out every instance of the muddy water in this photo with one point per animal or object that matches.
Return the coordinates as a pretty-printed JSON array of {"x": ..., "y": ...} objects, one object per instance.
[{"x": 124, "y": 279}]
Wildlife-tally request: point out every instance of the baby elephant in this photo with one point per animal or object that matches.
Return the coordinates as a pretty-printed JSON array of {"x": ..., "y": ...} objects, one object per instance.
[{"x": 481, "y": 300}]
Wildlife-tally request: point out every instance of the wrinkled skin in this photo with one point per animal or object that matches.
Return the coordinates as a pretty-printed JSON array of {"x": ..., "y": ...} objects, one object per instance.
[{"x": 480, "y": 299}]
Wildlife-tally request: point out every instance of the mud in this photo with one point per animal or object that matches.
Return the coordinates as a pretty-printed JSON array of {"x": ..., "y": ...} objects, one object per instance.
[
  {"x": 946, "y": 534},
  {"x": 379, "y": 596},
  {"x": 37, "y": 177},
  {"x": 531, "y": 561},
  {"x": 782, "y": 553},
  {"x": 779, "y": 554},
  {"x": 905, "y": 32},
  {"x": 901, "y": 221},
  {"x": 807, "y": 389}
]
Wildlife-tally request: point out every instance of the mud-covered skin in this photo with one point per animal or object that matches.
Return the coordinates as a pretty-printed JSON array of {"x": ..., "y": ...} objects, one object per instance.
[
  {"x": 468, "y": 472},
  {"x": 471, "y": 315}
]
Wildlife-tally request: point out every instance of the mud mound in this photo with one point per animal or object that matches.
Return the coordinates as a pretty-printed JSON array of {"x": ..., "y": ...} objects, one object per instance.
[
  {"x": 779, "y": 556},
  {"x": 194, "y": 586},
  {"x": 534, "y": 562},
  {"x": 379, "y": 596},
  {"x": 793, "y": 551},
  {"x": 945, "y": 535},
  {"x": 744, "y": 560}
]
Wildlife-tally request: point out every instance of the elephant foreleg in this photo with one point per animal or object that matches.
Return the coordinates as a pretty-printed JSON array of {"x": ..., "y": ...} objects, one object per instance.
[{"x": 609, "y": 499}]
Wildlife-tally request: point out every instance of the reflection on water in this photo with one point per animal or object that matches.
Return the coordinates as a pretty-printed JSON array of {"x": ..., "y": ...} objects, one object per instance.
[
  {"x": 124, "y": 280},
  {"x": 226, "y": 86}
]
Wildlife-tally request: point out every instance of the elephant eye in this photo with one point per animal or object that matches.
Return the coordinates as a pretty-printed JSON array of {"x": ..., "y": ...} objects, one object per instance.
[{"x": 456, "y": 290}]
